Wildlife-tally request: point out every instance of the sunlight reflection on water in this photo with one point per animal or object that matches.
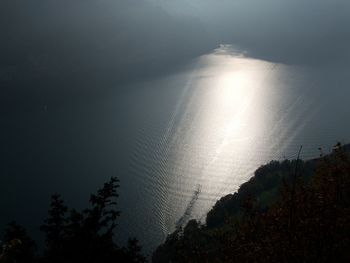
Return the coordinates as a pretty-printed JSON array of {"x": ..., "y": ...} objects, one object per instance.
[
  {"x": 231, "y": 98},
  {"x": 234, "y": 114}
]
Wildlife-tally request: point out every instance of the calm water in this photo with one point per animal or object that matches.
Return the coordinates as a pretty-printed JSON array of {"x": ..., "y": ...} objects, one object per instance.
[
  {"x": 211, "y": 125},
  {"x": 216, "y": 123}
]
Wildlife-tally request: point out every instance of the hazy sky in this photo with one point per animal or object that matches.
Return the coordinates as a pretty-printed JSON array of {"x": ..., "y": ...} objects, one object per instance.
[
  {"x": 103, "y": 43},
  {"x": 74, "y": 45},
  {"x": 309, "y": 32}
]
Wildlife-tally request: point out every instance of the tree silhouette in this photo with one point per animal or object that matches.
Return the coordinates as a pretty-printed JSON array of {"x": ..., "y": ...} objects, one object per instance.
[
  {"x": 54, "y": 228},
  {"x": 72, "y": 236},
  {"x": 87, "y": 236},
  {"x": 17, "y": 246}
]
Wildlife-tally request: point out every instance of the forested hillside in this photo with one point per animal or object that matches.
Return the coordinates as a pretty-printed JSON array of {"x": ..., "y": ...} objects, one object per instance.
[{"x": 290, "y": 211}]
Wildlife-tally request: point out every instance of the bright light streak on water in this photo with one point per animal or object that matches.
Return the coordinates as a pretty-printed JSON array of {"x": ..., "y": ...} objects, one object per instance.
[
  {"x": 233, "y": 114},
  {"x": 222, "y": 119}
]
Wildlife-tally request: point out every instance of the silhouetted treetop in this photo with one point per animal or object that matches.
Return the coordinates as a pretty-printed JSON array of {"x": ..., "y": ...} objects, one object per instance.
[{"x": 75, "y": 237}]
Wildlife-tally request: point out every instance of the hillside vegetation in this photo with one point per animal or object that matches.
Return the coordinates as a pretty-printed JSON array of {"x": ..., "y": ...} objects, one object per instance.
[{"x": 290, "y": 211}]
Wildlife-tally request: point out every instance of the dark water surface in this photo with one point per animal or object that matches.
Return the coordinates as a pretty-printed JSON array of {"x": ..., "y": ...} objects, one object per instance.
[{"x": 211, "y": 125}]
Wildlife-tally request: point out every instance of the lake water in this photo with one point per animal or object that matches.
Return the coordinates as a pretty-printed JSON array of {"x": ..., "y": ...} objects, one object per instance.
[
  {"x": 211, "y": 125},
  {"x": 214, "y": 124}
]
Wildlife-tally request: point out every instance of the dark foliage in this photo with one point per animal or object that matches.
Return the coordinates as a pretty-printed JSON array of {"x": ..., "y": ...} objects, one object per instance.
[
  {"x": 264, "y": 187},
  {"x": 17, "y": 246},
  {"x": 72, "y": 236},
  {"x": 308, "y": 220}
]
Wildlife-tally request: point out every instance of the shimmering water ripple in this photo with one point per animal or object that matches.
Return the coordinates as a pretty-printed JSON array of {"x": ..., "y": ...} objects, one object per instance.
[{"x": 233, "y": 114}]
